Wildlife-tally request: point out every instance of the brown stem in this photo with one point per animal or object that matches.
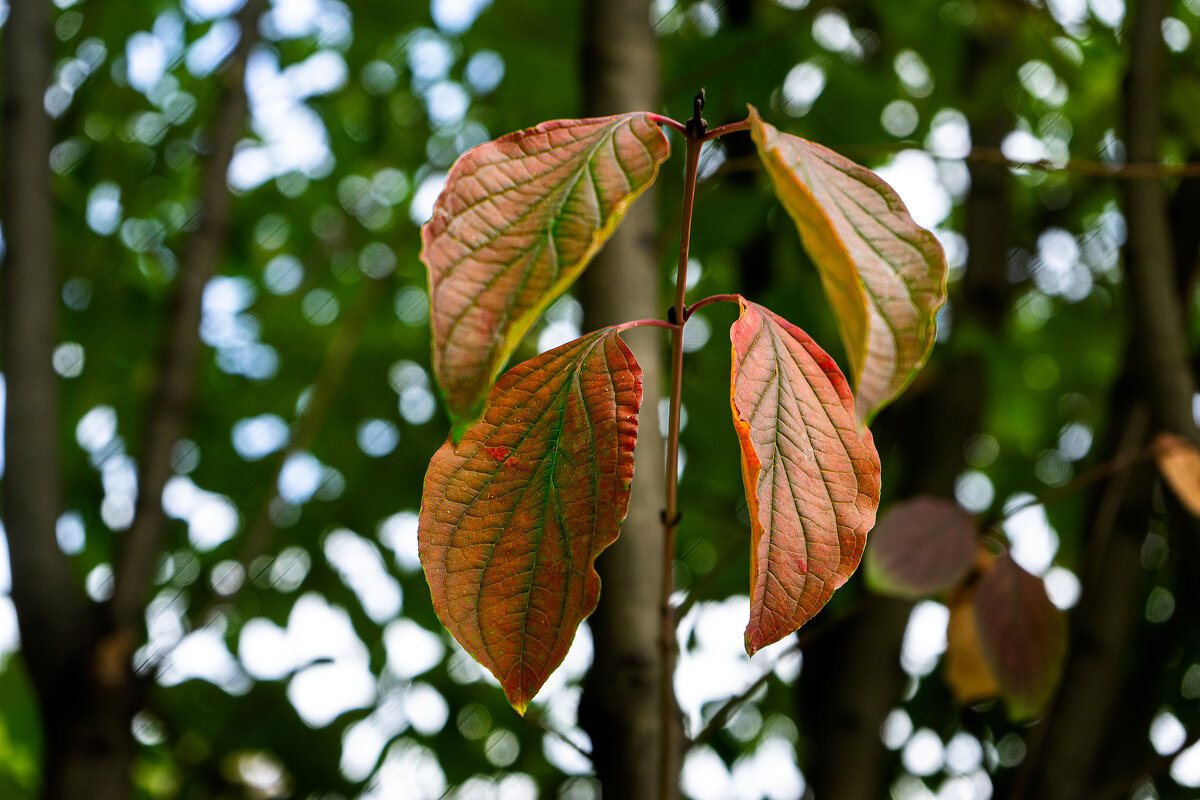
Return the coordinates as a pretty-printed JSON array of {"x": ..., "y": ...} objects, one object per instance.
[{"x": 671, "y": 512}]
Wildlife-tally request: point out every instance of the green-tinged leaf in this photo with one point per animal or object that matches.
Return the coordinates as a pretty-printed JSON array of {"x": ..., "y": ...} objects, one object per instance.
[
  {"x": 884, "y": 275},
  {"x": 1022, "y": 635},
  {"x": 516, "y": 224},
  {"x": 921, "y": 547},
  {"x": 812, "y": 479},
  {"x": 514, "y": 514}
]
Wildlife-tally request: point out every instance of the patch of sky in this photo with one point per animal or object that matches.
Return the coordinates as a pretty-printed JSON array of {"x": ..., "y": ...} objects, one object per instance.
[
  {"x": 409, "y": 769},
  {"x": 399, "y": 534},
  {"x": 360, "y": 566},
  {"x": 914, "y": 176},
  {"x": 924, "y": 638},
  {"x": 801, "y": 88},
  {"x": 204, "y": 10},
  {"x": 104, "y": 208},
  {"x": 949, "y": 134},
  {"x": 212, "y": 518},
  {"x": 716, "y": 668},
  {"x": 563, "y": 319},
  {"x": 330, "y": 21},
  {"x": 1071, "y": 14},
  {"x": 203, "y": 655},
  {"x": 456, "y": 16},
  {"x": 429, "y": 187},
  {"x": 914, "y": 74},
  {"x": 1058, "y": 269},
  {"x": 208, "y": 52},
  {"x": 831, "y": 30},
  {"x": 1033, "y": 541},
  {"x": 70, "y": 533},
  {"x": 255, "y": 438},
  {"x": 377, "y": 437},
  {"x": 68, "y": 359},
  {"x": 294, "y": 138},
  {"x": 484, "y": 71},
  {"x": 430, "y": 57}
]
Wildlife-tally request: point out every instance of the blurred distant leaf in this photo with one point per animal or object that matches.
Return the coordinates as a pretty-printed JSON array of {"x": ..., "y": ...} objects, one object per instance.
[
  {"x": 968, "y": 675},
  {"x": 1179, "y": 462},
  {"x": 517, "y": 223},
  {"x": 812, "y": 481},
  {"x": 515, "y": 513},
  {"x": 884, "y": 275},
  {"x": 921, "y": 547},
  {"x": 1022, "y": 635}
]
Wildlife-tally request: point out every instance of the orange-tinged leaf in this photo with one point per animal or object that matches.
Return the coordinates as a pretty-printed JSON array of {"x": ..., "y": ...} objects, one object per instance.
[
  {"x": 1022, "y": 634},
  {"x": 517, "y": 222},
  {"x": 812, "y": 479},
  {"x": 885, "y": 276},
  {"x": 1179, "y": 462},
  {"x": 967, "y": 672},
  {"x": 921, "y": 547},
  {"x": 514, "y": 514}
]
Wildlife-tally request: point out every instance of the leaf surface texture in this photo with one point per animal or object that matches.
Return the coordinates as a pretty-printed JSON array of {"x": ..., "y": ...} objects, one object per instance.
[
  {"x": 514, "y": 514},
  {"x": 884, "y": 275},
  {"x": 811, "y": 478},
  {"x": 518, "y": 221}
]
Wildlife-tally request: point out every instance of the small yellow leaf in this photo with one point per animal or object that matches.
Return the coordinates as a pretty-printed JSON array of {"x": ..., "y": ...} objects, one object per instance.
[
  {"x": 1179, "y": 462},
  {"x": 967, "y": 672}
]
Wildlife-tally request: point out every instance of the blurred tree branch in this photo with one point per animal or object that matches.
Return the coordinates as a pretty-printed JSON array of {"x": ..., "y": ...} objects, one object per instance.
[{"x": 171, "y": 402}]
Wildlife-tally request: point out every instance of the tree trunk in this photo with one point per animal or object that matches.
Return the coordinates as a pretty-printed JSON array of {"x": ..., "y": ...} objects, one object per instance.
[
  {"x": 1066, "y": 760},
  {"x": 624, "y": 691},
  {"x": 79, "y": 654},
  {"x": 86, "y": 755}
]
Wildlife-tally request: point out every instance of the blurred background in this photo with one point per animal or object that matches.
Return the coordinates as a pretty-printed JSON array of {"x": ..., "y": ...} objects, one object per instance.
[{"x": 258, "y": 172}]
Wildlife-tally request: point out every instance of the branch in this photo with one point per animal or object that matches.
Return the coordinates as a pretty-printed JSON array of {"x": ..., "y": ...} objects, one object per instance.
[
  {"x": 51, "y": 608},
  {"x": 805, "y": 637},
  {"x": 171, "y": 405}
]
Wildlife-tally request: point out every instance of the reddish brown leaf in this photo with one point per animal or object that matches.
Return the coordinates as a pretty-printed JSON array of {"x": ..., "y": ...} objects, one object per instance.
[
  {"x": 921, "y": 547},
  {"x": 812, "y": 480},
  {"x": 514, "y": 514},
  {"x": 1022, "y": 635},
  {"x": 1179, "y": 462},
  {"x": 884, "y": 275},
  {"x": 517, "y": 223}
]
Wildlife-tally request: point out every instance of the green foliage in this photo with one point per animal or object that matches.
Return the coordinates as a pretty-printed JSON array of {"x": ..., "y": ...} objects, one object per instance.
[{"x": 878, "y": 77}]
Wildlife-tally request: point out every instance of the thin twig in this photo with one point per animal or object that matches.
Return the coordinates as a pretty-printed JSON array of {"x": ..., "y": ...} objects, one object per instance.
[
  {"x": 534, "y": 716},
  {"x": 1117, "y": 463},
  {"x": 670, "y": 520},
  {"x": 804, "y": 638}
]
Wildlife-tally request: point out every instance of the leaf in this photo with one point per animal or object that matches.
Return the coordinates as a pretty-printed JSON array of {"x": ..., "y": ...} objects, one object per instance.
[
  {"x": 812, "y": 480},
  {"x": 884, "y": 275},
  {"x": 921, "y": 547},
  {"x": 1179, "y": 462},
  {"x": 514, "y": 514},
  {"x": 967, "y": 672},
  {"x": 1022, "y": 635},
  {"x": 517, "y": 222}
]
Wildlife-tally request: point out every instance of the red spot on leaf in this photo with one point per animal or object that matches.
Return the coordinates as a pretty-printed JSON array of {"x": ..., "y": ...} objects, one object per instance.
[{"x": 498, "y": 453}]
